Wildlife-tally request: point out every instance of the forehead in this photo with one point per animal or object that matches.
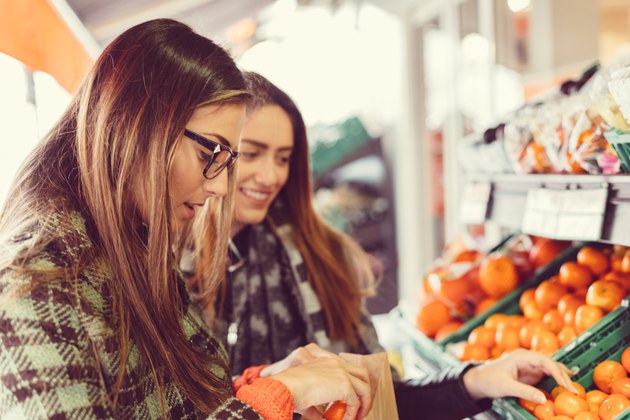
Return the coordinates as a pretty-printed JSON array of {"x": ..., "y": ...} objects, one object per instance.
[
  {"x": 225, "y": 120},
  {"x": 269, "y": 125}
]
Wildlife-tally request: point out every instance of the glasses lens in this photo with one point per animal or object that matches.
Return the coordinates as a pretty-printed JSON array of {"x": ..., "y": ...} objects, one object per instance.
[{"x": 220, "y": 160}]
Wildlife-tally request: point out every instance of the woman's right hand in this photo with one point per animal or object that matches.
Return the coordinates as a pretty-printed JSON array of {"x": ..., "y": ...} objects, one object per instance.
[{"x": 328, "y": 379}]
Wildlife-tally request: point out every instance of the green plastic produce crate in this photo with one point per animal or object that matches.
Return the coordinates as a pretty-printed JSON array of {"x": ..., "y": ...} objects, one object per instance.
[
  {"x": 606, "y": 340},
  {"x": 508, "y": 304}
]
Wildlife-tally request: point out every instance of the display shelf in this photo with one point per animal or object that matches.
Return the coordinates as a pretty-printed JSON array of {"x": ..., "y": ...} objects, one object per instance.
[{"x": 509, "y": 194}]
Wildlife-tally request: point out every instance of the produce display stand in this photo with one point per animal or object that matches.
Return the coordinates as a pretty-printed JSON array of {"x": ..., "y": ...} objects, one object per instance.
[{"x": 508, "y": 204}]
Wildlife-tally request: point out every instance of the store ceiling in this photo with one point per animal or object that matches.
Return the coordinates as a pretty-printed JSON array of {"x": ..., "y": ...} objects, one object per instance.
[{"x": 105, "y": 19}]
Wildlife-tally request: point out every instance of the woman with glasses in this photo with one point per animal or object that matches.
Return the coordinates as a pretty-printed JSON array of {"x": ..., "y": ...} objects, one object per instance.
[
  {"x": 293, "y": 280},
  {"x": 95, "y": 319}
]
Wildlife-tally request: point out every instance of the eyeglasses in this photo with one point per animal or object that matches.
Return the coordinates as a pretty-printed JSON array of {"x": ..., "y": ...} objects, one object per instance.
[{"x": 222, "y": 156}]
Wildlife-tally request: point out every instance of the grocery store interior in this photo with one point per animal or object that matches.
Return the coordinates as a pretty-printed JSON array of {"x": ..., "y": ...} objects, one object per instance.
[{"x": 479, "y": 150}]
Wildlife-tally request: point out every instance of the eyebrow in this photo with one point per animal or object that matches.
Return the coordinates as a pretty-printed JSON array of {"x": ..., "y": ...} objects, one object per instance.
[
  {"x": 264, "y": 146},
  {"x": 218, "y": 137}
]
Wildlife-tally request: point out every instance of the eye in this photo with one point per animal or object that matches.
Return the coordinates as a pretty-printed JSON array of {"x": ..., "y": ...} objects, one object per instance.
[
  {"x": 203, "y": 156},
  {"x": 249, "y": 155},
  {"x": 283, "y": 160}
]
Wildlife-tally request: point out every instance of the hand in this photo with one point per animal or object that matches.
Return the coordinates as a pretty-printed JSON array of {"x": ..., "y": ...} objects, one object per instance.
[
  {"x": 328, "y": 379},
  {"x": 297, "y": 357},
  {"x": 513, "y": 374}
]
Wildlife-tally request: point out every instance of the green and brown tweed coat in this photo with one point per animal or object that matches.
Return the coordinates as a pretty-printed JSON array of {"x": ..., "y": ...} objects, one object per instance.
[{"x": 58, "y": 351}]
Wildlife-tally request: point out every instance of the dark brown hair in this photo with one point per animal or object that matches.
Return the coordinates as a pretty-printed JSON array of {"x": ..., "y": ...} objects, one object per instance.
[
  {"x": 338, "y": 269},
  {"x": 122, "y": 126}
]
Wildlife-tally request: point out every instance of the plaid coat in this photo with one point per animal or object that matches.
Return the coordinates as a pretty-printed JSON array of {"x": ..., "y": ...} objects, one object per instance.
[{"x": 57, "y": 361}]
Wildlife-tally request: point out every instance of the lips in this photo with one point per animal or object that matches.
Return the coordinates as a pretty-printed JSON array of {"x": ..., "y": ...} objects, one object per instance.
[{"x": 256, "y": 196}]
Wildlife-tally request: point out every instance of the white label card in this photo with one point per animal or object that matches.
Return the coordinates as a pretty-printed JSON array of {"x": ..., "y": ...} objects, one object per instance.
[
  {"x": 565, "y": 214},
  {"x": 474, "y": 203}
]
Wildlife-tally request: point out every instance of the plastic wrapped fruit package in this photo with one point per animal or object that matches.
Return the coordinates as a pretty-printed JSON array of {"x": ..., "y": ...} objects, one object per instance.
[
  {"x": 525, "y": 154},
  {"x": 588, "y": 151}
]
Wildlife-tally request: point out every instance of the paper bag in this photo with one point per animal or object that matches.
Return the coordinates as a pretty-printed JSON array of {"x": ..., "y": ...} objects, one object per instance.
[{"x": 377, "y": 365}]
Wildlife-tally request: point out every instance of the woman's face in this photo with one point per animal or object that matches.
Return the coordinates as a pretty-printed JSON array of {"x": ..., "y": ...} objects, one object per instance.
[
  {"x": 263, "y": 168},
  {"x": 189, "y": 188}
]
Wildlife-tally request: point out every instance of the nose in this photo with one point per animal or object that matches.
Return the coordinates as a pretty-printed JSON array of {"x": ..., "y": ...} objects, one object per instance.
[
  {"x": 266, "y": 173},
  {"x": 217, "y": 186}
]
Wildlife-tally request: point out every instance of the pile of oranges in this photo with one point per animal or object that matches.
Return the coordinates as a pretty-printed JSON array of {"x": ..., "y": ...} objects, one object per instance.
[
  {"x": 558, "y": 309},
  {"x": 609, "y": 399},
  {"x": 471, "y": 283}
]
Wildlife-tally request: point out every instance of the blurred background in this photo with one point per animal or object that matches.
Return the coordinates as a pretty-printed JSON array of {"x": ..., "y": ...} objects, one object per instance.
[{"x": 390, "y": 89}]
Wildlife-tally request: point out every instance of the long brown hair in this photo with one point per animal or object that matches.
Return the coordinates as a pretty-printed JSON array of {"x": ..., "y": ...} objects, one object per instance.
[
  {"x": 338, "y": 269},
  {"x": 121, "y": 129}
]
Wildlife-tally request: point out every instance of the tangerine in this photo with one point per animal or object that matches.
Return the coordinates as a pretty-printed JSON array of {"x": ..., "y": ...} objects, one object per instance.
[
  {"x": 574, "y": 275},
  {"x": 586, "y": 316},
  {"x": 482, "y": 336},
  {"x": 625, "y": 359},
  {"x": 594, "y": 259},
  {"x": 527, "y": 332},
  {"x": 544, "y": 411},
  {"x": 612, "y": 406},
  {"x": 569, "y": 404},
  {"x": 606, "y": 372},
  {"x": 621, "y": 386},
  {"x": 553, "y": 320},
  {"x": 507, "y": 338},
  {"x": 566, "y": 335},
  {"x": 447, "y": 330},
  {"x": 431, "y": 317},
  {"x": 605, "y": 294},
  {"x": 545, "y": 250},
  {"x": 471, "y": 352},
  {"x": 336, "y": 411},
  {"x": 526, "y": 296},
  {"x": 498, "y": 276},
  {"x": 545, "y": 342},
  {"x": 484, "y": 305}
]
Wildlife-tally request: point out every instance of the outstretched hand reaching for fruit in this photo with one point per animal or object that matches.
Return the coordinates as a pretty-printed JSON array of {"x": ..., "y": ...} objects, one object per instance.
[{"x": 513, "y": 374}]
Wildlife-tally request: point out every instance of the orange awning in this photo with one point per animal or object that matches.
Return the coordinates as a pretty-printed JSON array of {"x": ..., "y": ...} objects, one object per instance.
[{"x": 33, "y": 32}]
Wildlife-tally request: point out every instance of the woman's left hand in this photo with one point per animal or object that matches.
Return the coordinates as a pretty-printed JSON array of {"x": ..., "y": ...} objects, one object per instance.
[{"x": 513, "y": 375}]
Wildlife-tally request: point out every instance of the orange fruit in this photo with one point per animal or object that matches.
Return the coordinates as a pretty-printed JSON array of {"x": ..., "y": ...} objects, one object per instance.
[
  {"x": 606, "y": 372},
  {"x": 496, "y": 321},
  {"x": 545, "y": 342},
  {"x": 594, "y": 259},
  {"x": 569, "y": 404},
  {"x": 586, "y": 415},
  {"x": 605, "y": 294},
  {"x": 498, "y": 276},
  {"x": 431, "y": 317},
  {"x": 586, "y": 316},
  {"x": 467, "y": 255},
  {"x": 574, "y": 275},
  {"x": 569, "y": 318},
  {"x": 484, "y": 305},
  {"x": 527, "y": 404},
  {"x": 625, "y": 262},
  {"x": 527, "y": 332},
  {"x": 625, "y": 359},
  {"x": 544, "y": 411},
  {"x": 621, "y": 386},
  {"x": 545, "y": 250},
  {"x": 596, "y": 397},
  {"x": 566, "y": 335},
  {"x": 616, "y": 260},
  {"x": 526, "y": 296},
  {"x": 482, "y": 336},
  {"x": 447, "y": 330},
  {"x": 560, "y": 389},
  {"x": 507, "y": 338},
  {"x": 612, "y": 406},
  {"x": 553, "y": 320},
  {"x": 569, "y": 302},
  {"x": 547, "y": 295},
  {"x": 516, "y": 321},
  {"x": 622, "y": 279},
  {"x": 471, "y": 352},
  {"x": 532, "y": 312},
  {"x": 336, "y": 411}
]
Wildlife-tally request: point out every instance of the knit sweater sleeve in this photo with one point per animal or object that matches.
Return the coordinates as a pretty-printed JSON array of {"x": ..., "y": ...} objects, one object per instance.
[{"x": 47, "y": 368}]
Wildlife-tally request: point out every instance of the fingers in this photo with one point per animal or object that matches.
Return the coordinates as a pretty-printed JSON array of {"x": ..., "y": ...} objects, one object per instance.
[
  {"x": 364, "y": 394},
  {"x": 528, "y": 392},
  {"x": 558, "y": 372}
]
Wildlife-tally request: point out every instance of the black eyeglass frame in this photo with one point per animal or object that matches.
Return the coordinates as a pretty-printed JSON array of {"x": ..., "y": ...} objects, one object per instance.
[{"x": 213, "y": 145}]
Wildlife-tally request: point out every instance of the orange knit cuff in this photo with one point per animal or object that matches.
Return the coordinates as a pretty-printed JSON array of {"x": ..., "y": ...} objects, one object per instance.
[
  {"x": 270, "y": 398},
  {"x": 249, "y": 375}
]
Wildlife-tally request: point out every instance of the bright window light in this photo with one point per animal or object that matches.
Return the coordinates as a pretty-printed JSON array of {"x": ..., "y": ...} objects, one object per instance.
[{"x": 518, "y": 5}]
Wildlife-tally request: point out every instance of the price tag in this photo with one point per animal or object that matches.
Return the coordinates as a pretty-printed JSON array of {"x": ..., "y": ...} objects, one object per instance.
[
  {"x": 474, "y": 205},
  {"x": 565, "y": 214}
]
